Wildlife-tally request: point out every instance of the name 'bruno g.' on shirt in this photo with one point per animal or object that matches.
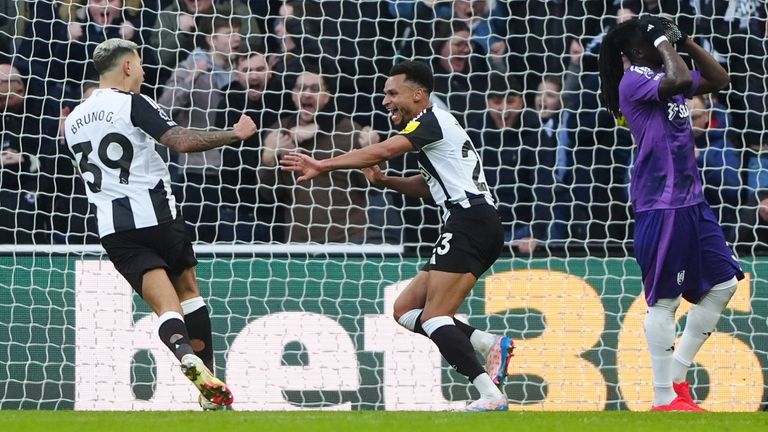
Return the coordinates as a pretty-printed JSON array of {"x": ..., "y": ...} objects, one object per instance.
[{"x": 112, "y": 137}]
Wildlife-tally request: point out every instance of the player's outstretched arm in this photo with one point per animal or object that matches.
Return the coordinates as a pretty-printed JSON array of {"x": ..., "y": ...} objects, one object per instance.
[
  {"x": 185, "y": 140},
  {"x": 414, "y": 186},
  {"x": 713, "y": 76},
  {"x": 373, "y": 154}
]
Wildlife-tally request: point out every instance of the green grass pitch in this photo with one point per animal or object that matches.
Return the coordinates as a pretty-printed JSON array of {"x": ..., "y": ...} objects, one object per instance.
[{"x": 373, "y": 421}]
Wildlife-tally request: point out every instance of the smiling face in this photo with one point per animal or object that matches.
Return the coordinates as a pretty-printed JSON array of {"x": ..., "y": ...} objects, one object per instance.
[
  {"x": 401, "y": 99},
  {"x": 310, "y": 96},
  {"x": 253, "y": 74},
  {"x": 455, "y": 52}
]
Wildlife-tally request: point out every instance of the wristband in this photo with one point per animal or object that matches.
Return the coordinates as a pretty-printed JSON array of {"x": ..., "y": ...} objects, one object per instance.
[{"x": 659, "y": 40}]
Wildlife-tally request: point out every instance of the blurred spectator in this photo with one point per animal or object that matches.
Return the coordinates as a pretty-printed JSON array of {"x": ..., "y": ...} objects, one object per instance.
[
  {"x": 413, "y": 28},
  {"x": 296, "y": 44},
  {"x": 600, "y": 152},
  {"x": 27, "y": 142},
  {"x": 34, "y": 57},
  {"x": 737, "y": 30},
  {"x": 536, "y": 39},
  {"x": 192, "y": 95},
  {"x": 332, "y": 208},
  {"x": 519, "y": 152},
  {"x": 542, "y": 202},
  {"x": 718, "y": 161},
  {"x": 486, "y": 20},
  {"x": 461, "y": 73},
  {"x": 361, "y": 34},
  {"x": 498, "y": 137},
  {"x": 752, "y": 232},
  {"x": 95, "y": 22},
  {"x": 12, "y": 21},
  {"x": 73, "y": 220},
  {"x": 681, "y": 12},
  {"x": 250, "y": 214},
  {"x": 182, "y": 25}
]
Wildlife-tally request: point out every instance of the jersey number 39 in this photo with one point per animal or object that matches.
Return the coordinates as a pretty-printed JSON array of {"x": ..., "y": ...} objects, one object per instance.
[{"x": 122, "y": 163}]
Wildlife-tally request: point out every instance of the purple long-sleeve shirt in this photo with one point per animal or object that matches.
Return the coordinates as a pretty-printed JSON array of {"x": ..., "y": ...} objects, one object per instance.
[{"x": 665, "y": 175}]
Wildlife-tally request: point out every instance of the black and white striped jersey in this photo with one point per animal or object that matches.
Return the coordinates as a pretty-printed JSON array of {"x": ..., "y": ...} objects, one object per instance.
[
  {"x": 112, "y": 136},
  {"x": 447, "y": 159}
]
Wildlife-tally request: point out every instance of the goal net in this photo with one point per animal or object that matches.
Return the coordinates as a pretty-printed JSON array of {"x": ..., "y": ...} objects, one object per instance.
[{"x": 301, "y": 278}]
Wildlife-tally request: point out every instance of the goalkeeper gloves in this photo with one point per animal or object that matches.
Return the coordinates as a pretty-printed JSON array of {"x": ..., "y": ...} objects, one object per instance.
[
  {"x": 673, "y": 32},
  {"x": 653, "y": 30}
]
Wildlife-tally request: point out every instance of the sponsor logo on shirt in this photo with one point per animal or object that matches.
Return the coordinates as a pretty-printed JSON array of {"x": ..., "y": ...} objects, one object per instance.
[
  {"x": 677, "y": 110},
  {"x": 680, "y": 277},
  {"x": 410, "y": 127},
  {"x": 644, "y": 71}
]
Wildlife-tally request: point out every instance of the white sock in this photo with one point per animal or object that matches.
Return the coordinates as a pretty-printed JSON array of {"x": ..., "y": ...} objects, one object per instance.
[
  {"x": 486, "y": 387},
  {"x": 191, "y": 305},
  {"x": 435, "y": 323},
  {"x": 482, "y": 341},
  {"x": 701, "y": 322},
  {"x": 660, "y": 334},
  {"x": 408, "y": 319}
]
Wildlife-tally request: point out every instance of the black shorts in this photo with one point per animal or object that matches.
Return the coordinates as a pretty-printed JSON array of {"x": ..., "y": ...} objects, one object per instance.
[
  {"x": 470, "y": 241},
  {"x": 135, "y": 252}
]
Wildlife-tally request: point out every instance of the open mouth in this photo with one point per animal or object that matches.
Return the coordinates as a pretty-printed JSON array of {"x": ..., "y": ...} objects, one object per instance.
[
  {"x": 395, "y": 115},
  {"x": 307, "y": 107},
  {"x": 257, "y": 86}
]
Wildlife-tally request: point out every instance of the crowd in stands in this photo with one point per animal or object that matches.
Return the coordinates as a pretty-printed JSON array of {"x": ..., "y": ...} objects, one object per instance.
[{"x": 520, "y": 75}]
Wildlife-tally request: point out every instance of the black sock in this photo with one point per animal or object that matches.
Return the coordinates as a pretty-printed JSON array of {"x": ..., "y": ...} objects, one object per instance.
[
  {"x": 464, "y": 327},
  {"x": 199, "y": 327},
  {"x": 173, "y": 333},
  {"x": 455, "y": 347},
  {"x": 417, "y": 328}
]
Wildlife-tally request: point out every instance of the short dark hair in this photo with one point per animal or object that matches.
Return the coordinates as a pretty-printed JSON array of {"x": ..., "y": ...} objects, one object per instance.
[{"x": 416, "y": 72}]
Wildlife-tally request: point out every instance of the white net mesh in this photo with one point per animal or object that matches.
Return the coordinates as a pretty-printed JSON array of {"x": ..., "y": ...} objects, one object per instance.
[{"x": 301, "y": 278}]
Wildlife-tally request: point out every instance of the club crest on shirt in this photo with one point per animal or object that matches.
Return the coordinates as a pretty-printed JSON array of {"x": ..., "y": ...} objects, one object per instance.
[
  {"x": 410, "y": 127},
  {"x": 681, "y": 277}
]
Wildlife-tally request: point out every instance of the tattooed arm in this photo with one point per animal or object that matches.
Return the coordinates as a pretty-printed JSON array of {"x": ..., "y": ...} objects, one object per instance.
[{"x": 189, "y": 141}]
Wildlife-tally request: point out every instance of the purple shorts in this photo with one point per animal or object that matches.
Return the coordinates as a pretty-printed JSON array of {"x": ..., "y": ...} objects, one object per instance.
[{"x": 682, "y": 252}]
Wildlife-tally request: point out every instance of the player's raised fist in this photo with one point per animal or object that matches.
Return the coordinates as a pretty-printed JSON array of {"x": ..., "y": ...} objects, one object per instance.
[{"x": 245, "y": 127}]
